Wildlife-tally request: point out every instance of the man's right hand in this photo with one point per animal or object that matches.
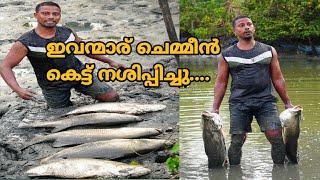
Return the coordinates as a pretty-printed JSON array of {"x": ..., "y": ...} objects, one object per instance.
[
  {"x": 26, "y": 94},
  {"x": 215, "y": 110}
]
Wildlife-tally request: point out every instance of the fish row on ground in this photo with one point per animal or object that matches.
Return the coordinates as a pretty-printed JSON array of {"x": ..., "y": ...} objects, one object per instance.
[
  {"x": 214, "y": 139},
  {"x": 78, "y": 161}
]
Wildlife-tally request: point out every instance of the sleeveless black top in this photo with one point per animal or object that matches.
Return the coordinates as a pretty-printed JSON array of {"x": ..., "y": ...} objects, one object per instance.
[
  {"x": 250, "y": 72},
  {"x": 41, "y": 64}
]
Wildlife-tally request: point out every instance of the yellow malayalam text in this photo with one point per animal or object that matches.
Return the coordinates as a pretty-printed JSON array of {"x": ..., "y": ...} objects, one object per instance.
[
  {"x": 179, "y": 78},
  {"x": 135, "y": 73},
  {"x": 85, "y": 76},
  {"x": 191, "y": 47},
  {"x": 60, "y": 49}
]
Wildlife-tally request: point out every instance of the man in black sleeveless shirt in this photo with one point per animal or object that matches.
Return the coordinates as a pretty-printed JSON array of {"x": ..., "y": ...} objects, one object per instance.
[
  {"x": 255, "y": 70},
  {"x": 32, "y": 44}
]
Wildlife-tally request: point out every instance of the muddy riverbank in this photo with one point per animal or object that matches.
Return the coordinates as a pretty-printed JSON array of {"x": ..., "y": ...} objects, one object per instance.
[{"x": 93, "y": 20}]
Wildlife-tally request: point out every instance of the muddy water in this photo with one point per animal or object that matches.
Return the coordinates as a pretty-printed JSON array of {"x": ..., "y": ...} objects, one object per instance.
[
  {"x": 96, "y": 21},
  {"x": 303, "y": 84}
]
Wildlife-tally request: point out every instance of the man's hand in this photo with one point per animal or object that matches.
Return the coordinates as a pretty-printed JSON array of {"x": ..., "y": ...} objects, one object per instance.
[
  {"x": 221, "y": 84},
  {"x": 278, "y": 80},
  {"x": 117, "y": 65},
  {"x": 288, "y": 105},
  {"x": 26, "y": 94},
  {"x": 215, "y": 110}
]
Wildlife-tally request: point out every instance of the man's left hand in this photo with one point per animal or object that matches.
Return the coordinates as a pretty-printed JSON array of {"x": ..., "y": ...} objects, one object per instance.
[{"x": 288, "y": 105}]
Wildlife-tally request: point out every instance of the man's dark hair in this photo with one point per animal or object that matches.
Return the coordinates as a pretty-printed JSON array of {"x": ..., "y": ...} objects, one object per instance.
[
  {"x": 47, "y": 3},
  {"x": 236, "y": 18}
]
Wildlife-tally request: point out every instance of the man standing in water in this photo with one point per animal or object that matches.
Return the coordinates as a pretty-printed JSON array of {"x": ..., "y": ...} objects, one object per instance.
[
  {"x": 32, "y": 44},
  {"x": 254, "y": 67}
]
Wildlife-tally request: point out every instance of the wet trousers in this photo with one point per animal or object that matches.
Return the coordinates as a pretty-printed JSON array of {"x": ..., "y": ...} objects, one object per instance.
[{"x": 275, "y": 139}]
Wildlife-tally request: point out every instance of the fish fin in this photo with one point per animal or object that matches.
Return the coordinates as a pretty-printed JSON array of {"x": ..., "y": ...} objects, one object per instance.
[
  {"x": 45, "y": 160},
  {"x": 58, "y": 128}
]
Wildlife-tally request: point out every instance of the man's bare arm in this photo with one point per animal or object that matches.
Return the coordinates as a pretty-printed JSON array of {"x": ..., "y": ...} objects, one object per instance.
[
  {"x": 17, "y": 52},
  {"x": 278, "y": 80},
  {"x": 221, "y": 84}
]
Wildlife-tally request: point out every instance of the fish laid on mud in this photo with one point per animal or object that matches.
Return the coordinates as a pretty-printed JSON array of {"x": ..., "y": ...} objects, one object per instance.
[
  {"x": 123, "y": 108},
  {"x": 213, "y": 139},
  {"x": 290, "y": 120},
  {"x": 83, "y": 119},
  {"x": 88, "y": 168},
  {"x": 110, "y": 149},
  {"x": 80, "y": 136}
]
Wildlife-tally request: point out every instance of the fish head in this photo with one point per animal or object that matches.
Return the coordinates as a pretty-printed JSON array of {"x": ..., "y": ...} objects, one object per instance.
[
  {"x": 135, "y": 171},
  {"x": 289, "y": 115},
  {"x": 211, "y": 121},
  {"x": 297, "y": 111}
]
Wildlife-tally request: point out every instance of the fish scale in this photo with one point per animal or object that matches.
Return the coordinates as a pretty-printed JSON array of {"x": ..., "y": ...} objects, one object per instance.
[
  {"x": 213, "y": 139},
  {"x": 290, "y": 120}
]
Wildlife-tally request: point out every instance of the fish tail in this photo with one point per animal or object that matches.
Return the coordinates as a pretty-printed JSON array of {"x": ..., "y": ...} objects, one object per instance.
[
  {"x": 35, "y": 140},
  {"x": 25, "y": 125}
]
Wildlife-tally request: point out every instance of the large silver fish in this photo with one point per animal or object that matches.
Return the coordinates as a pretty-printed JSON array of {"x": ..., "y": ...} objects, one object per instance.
[
  {"x": 83, "y": 119},
  {"x": 123, "y": 108},
  {"x": 213, "y": 139},
  {"x": 110, "y": 149},
  {"x": 88, "y": 168},
  {"x": 80, "y": 136},
  {"x": 290, "y": 120}
]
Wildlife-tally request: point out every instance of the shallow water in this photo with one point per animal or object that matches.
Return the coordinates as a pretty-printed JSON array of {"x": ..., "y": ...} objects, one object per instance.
[{"x": 303, "y": 85}]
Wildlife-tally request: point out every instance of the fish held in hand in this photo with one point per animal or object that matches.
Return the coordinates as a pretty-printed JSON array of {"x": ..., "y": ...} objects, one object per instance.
[
  {"x": 213, "y": 139},
  {"x": 290, "y": 120}
]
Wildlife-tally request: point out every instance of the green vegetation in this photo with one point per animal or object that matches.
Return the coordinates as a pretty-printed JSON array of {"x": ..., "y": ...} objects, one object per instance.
[
  {"x": 274, "y": 19},
  {"x": 174, "y": 161},
  {"x": 134, "y": 162}
]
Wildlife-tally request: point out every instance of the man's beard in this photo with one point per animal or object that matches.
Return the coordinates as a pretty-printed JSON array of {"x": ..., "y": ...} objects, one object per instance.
[
  {"x": 249, "y": 38},
  {"x": 46, "y": 25}
]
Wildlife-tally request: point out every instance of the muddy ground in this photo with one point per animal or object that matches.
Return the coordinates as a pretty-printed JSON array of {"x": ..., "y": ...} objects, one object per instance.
[{"x": 112, "y": 21}]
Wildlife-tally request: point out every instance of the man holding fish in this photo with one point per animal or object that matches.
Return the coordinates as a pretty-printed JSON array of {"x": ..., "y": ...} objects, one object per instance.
[
  {"x": 255, "y": 70},
  {"x": 32, "y": 44}
]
